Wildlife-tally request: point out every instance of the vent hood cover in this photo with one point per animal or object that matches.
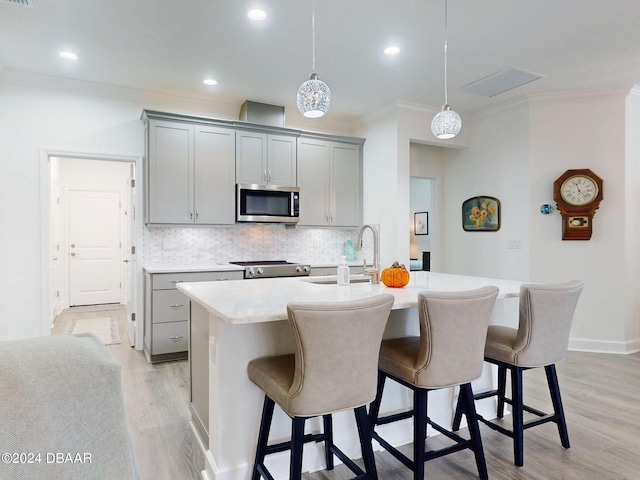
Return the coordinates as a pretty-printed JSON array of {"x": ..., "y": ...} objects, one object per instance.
[{"x": 262, "y": 113}]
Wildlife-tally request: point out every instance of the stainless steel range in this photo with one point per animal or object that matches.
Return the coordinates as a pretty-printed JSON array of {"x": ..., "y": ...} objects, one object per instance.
[{"x": 273, "y": 268}]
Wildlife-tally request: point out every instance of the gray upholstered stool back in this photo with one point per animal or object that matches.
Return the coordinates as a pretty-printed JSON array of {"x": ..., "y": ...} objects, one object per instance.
[
  {"x": 453, "y": 330},
  {"x": 546, "y": 313},
  {"x": 336, "y": 354}
]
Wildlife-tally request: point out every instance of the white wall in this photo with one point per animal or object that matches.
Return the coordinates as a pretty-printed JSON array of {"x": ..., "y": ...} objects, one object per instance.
[
  {"x": 585, "y": 130},
  {"x": 64, "y": 116},
  {"x": 383, "y": 196},
  {"x": 497, "y": 165},
  {"x": 632, "y": 207}
]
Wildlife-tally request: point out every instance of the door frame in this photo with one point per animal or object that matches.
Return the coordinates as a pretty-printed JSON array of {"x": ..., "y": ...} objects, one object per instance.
[{"x": 45, "y": 233}]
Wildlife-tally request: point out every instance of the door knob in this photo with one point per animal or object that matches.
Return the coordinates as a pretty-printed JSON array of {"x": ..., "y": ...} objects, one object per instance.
[{"x": 73, "y": 254}]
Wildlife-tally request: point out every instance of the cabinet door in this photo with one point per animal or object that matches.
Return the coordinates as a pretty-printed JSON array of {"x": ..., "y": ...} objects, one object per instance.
[
  {"x": 214, "y": 175},
  {"x": 251, "y": 157},
  {"x": 281, "y": 160},
  {"x": 313, "y": 180},
  {"x": 346, "y": 182},
  {"x": 170, "y": 172}
]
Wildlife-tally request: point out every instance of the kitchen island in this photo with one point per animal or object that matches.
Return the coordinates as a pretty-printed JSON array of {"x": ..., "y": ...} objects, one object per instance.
[{"x": 236, "y": 321}]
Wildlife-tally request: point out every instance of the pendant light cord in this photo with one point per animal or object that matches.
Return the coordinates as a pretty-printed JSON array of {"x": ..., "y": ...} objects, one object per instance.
[
  {"x": 313, "y": 36},
  {"x": 446, "y": 99}
]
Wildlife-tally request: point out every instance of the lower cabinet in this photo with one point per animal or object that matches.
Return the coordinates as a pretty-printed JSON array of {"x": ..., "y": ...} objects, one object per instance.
[{"x": 166, "y": 312}]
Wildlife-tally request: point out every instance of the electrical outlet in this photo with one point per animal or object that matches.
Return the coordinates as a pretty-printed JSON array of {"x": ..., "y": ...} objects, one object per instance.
[{"x": 514, "y": 243}]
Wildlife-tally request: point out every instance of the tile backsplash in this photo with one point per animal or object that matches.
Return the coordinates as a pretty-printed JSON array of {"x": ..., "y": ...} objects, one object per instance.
[{"x": 246, "y": 242}]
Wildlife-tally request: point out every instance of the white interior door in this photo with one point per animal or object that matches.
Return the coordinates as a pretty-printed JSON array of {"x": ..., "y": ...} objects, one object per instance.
[{"x": 94, "y": 247}]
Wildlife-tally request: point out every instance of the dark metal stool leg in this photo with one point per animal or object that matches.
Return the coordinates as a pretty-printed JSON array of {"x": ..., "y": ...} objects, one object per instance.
[
  {"x": 297, "y": 444},
  {"x": 263, "y": 436},
  {"x": 502, "y": 387},
  {"x": 466, "y": 397},
  {"x": 327, "y": 421},
  {"x": 554, "y": 390},
  {"x": 374, "y": 408},
  {"x": 419, "y": 431},
  {"x": 364, "y": 432},
  {"x": 457, "y": 417},
  {"x": 518, "y": 416}
]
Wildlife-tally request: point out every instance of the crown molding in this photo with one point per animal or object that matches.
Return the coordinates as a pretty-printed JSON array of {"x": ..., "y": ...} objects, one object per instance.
[
  {"x": 580, "y": 96},
  {"x": 634, "y": 93},
  {"x": 222, "y": 107}
]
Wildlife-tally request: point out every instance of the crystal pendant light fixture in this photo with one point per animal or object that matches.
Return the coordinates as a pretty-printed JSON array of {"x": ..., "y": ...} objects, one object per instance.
[
  {"x": 447, "y": 123},
  {"x": 314, "y": 96}
]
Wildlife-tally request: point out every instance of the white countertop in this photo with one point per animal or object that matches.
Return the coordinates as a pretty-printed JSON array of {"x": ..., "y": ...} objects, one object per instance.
[
  {"x": 265, "y": 300},
  {"x": 175, "y": 268}
]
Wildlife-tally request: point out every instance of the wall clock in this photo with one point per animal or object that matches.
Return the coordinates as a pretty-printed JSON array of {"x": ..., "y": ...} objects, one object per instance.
[{"x": 577, "y": 194}]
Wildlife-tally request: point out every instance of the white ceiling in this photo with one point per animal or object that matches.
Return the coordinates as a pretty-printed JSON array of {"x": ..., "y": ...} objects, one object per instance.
[{"x": 170, "y": 46}]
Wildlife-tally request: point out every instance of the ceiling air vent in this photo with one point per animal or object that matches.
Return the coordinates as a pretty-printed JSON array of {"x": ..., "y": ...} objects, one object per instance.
[
  {"x": 23, "y": 3},
  {"x": 501, "y": 82}
]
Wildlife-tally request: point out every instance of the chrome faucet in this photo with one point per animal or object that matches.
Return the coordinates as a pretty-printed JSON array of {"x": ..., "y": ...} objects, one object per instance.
[{"x": 374, "y": 272}]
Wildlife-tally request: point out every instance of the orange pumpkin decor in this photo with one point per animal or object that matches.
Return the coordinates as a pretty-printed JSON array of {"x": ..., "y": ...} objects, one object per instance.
[{"x": 395, "y": 276}]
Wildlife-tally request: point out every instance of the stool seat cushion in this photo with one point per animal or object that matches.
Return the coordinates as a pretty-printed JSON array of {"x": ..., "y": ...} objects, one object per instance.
[
  {"x": 449, "y": 351},
  {"x": 499, "y": 344},
  {"x": 274, "y": 375},
  {"x": 398, "y": 358}
]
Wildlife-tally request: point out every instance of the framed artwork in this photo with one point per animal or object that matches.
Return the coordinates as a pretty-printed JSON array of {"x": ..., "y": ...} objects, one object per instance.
[
  {"x": 421, "y": 223},
  {"x": 481, "y": 214}
]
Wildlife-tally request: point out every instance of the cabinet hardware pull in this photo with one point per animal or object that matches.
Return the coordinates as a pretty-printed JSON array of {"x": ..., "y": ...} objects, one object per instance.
[
  {"x": 197, "y": 213},
  {"x": 264, "y": 175},
  {"x": 175, "y": 339},
  {"x": 221, "y": 279},
  {"x": 176, "y": 281},
  {"x": 176, "y": 305},
  {"x": 269, "y": 177}
]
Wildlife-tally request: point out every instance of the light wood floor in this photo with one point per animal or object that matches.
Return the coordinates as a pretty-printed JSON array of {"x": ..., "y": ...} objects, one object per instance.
[{"x": 601, "y": 395}]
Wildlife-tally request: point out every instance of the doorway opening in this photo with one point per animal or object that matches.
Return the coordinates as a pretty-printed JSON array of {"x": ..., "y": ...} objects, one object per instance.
[
  {"x": 90, "y": 234},
  {"x": 422, "y": 223}
]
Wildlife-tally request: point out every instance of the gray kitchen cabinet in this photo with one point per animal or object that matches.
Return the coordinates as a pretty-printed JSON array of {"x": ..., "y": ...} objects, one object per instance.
[
  {"x": 190, "y": 173},
  {"x": 265, "y": 159},
  {"x": 166, "y": 312},
  {"x": 330, "y": 181}
]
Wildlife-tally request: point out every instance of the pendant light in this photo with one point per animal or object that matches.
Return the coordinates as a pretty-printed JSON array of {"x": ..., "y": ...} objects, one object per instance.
[
  {"x": 314, "y": 96},
  {"x": 447, "y": 123}
]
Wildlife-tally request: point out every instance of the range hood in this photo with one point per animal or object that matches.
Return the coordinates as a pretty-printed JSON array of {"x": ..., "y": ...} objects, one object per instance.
[{"x": 262, "y": 114}]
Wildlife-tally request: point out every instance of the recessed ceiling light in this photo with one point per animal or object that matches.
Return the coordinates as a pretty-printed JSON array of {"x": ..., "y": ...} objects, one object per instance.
[
  {"x": 209, "y": 81},
  {"x": 392, "y": 50},
  {"x": 69, "y": 55},
  {"x": 257, "y": 14}
]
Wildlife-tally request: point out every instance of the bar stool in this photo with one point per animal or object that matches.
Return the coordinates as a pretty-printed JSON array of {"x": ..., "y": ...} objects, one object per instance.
[
  {"x": 541, "y": 340},
  {"x": 333, "y": 369},
  {"x": 448, "y": 352}
]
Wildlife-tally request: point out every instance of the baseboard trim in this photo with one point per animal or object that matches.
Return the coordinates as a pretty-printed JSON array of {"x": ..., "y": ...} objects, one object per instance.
[{"x": 604, "y": 346}]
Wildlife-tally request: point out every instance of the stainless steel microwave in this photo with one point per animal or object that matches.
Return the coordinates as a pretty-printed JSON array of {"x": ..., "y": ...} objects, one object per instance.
[{"x": 267, "y": 203}]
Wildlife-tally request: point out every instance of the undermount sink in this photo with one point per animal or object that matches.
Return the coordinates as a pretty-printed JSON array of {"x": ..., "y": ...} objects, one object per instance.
[{"x": 334, "y": 281}]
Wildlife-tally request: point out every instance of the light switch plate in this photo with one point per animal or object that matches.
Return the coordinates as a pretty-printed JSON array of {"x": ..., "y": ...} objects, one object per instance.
[{"x": 514, "y": 243}]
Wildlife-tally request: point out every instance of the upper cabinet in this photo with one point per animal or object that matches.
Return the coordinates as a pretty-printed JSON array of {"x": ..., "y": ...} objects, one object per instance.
[
  {"x": 190, "y": 173},
  {"x": 330, "y": 181},
  {"x": 265, "y": 159},
  {"x": 193, "y": 163}
]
